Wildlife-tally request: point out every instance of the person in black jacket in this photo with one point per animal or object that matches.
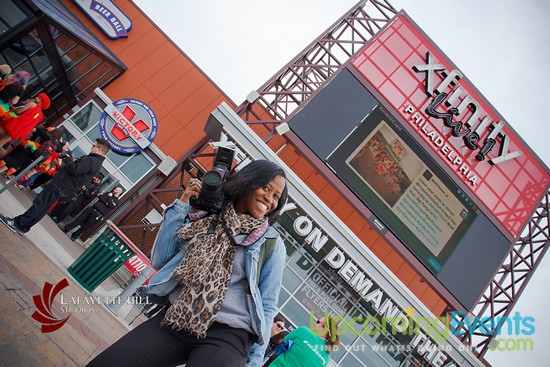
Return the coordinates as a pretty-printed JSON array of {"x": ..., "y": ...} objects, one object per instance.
[
  {"x": 66, "y": 182},
  {"x": 71, "y": 206},
  {"x": 93, "y": 214}
]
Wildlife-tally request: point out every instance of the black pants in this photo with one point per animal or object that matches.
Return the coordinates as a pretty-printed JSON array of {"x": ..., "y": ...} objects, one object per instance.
[
  {"x": 41, "y": 180},
  {"x": 151, "y": 344},
  {"x": 85, "y": 220},
  {"x": 40, "y": 206},
  {"x": 68, "y": 207}
]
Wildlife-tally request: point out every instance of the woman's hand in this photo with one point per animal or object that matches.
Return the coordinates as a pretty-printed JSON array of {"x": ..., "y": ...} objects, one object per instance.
[{"x": 193, "y": 189}]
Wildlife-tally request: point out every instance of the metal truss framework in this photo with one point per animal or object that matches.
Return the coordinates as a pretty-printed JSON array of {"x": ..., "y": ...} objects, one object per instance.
[
  {"x": 310, "y": 70},
  {"x": 510, "y": 280},
  {"x": 297, "y": 81}
]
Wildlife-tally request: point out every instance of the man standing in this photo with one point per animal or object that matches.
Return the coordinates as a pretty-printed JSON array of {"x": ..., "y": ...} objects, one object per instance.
[
  {"x": 66, "y": 182},
  {"x": 72, "y": 206},
  {"x": 91, "y": 215}
]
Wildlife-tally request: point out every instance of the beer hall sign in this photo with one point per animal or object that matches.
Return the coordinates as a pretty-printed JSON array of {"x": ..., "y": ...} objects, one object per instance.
[
  {"x": 107, "y": 16},
  {"x": 446, "y": 111}
]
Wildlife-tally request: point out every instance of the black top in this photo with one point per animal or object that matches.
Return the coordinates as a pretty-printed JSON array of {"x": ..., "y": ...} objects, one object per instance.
[
  {"x": 76, "y": 174},
  {"x": 10, "y": 91},
  {"x": 105, "y": 203},
  {"x": 40, "y": 135},
  {"x": 90, "y": 191}
]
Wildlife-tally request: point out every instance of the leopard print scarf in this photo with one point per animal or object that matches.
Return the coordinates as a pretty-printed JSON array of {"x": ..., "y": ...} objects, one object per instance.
[{"x": 205, "y": 272}]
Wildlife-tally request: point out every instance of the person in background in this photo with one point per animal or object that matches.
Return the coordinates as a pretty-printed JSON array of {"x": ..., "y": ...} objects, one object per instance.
[
  {"x": 277, "y": 328},
  {"x": 29, "y": 150},
  {"x": 28, "y": 116},
  {"x": 274, "y": 342},
  {"x": 5, "y": 70},
  {"x": 220, "y": 298},
  {"x": 66, "y": 182},
  {"x": 12, "y": 87},
  {"x": 278, "y": 325},
  {"x": 93, "y": 214},
  {"x": 70, "y": 207},
  {"x": 309, "y": 347},
  {"x": 43, "y": 172}
]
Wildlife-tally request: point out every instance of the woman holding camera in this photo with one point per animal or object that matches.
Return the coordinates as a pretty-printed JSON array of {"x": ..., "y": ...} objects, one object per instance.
[{"x": 220, "y": 274}]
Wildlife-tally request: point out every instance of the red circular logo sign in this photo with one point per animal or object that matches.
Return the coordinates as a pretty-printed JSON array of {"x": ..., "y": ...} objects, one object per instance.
[{"x": 129, "y": 125}]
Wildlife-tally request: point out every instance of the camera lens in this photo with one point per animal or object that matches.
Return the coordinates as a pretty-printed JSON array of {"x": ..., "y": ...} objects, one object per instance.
[
  {"x": 211, "y": 186},
  {"x": 212, "y": 178}
]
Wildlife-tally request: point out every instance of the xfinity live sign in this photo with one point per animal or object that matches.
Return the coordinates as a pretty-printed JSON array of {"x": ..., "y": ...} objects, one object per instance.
[
  {"x": 449, "y": 101},
  {"x": 440, "y": 108},
  {"x": 451, "y": 93}
]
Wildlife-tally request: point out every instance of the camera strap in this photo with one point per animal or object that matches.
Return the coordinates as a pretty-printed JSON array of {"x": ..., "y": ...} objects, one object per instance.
[
  {"x": 226, "y": 230},
  {"x": 223, "y": 223}
]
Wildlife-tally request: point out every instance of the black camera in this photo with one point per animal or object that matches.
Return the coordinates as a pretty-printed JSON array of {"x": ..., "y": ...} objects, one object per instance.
[{"x": 212, "y": 197}]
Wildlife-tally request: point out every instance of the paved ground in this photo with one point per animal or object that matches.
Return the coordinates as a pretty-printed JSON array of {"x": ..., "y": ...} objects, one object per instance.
[{"x": 26, "y": 264}]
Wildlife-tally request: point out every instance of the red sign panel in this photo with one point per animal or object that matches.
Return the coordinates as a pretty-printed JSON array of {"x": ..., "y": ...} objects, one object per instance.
[{"x": 446, "y": 111}]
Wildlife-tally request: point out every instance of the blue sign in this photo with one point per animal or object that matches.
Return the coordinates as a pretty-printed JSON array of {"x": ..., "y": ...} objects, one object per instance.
[{"x": 108, "y": 17}]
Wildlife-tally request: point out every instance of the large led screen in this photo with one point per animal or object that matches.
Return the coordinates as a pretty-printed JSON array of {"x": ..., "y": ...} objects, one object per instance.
[
  {"x": 400, "y": 183},
  {"x": 379, "y": 160},
  {"x": 404, "y": 129}
]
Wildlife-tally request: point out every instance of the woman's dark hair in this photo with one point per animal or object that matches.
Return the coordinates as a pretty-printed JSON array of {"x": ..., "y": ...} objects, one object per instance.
[{"x": 256, "y": 174}]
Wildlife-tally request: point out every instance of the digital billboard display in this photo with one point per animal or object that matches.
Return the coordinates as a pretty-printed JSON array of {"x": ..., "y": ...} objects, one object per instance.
[
  {"x": 404, "y": 130},
  {"x": 384, "y": 166}
]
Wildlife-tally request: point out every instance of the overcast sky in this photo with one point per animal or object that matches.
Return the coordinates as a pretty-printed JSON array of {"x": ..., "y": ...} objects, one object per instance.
[{"x": 502, "y": 46}]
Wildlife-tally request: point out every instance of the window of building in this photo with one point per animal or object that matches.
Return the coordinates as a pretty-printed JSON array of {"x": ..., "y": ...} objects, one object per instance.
[
  {"x": 311, "y": 288},
  {"x": 12, "y": 14}
]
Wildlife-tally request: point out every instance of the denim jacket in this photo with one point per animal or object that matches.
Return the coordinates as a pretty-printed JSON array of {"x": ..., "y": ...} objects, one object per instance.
[{"x": 167, "y": 254}]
